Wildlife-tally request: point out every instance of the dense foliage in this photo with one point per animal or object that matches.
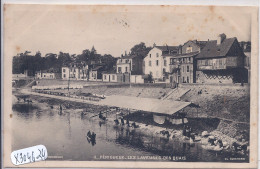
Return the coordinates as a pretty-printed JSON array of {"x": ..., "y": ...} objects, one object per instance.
[
  {"x": 140, "y": 49},
  {"x": 32, "y": 63}
]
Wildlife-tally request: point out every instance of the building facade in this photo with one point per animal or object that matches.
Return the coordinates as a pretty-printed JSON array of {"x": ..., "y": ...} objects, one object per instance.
[
  {"x": 221, "y": 61},
  {"x": 75, "y": 72},
  {"x": 95, "y": 74},
  {"x": 156, "y": 61},
  {"x": 131, "y": 63},
  {"x": 183, "y": 65},
  {"x": 109, "y": 76},
  {"x": 47, "y": 74},
  {"x": 127, "y": 65}
]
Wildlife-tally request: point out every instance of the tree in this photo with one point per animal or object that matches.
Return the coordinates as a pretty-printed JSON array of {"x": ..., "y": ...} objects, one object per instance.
[
  {"x": 63, "y": 59},
  {"x": 140, "y": 50}
]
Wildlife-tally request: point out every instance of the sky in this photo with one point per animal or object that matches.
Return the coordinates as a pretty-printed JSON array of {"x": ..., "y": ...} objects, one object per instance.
[{"x": 114, "y": 30}]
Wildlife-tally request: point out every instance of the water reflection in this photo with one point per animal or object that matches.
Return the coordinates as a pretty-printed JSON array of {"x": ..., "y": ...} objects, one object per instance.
[
  {"x": 91, "y": 137},
  {"x": 25, "y": 110},
  {"x": 66, "y": 134}
]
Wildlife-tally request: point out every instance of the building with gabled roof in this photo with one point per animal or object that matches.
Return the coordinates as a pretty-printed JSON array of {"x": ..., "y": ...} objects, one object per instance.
[
  {"x": 48, "y": 74},
  {"x": 75, "y": 71},
  {"x": 109, "y": 76},
  {"x": 129, "y": 64},
  {"x": 156, "y": 61},
  {"x": 221, "y": 61},
  {"x": 182, "y": 67}
]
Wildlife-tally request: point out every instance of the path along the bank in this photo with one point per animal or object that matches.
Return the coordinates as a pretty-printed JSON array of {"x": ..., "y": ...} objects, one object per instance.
[{"x": 26, "y": 91}]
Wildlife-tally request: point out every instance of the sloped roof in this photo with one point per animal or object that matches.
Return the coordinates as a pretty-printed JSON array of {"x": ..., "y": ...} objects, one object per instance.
[
  {"x": 48, "y": 71},
  {"x": 167, "y": 48},
  {"x": 211, "y": 48},
  {"x": 129, "y": 57},
  {"x": 145, "y": 104},
  {"x": 97, "y": 68},
  {"x": 113, "y": 71},
  {"x": 201, "y": 44},
  {"x": 181, "y": 55}
]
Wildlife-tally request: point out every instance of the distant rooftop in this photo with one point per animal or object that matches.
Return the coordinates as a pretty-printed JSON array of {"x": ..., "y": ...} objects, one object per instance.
[
  {"x": 212, "y": 49},
  {"x": 167, "y": 48}
]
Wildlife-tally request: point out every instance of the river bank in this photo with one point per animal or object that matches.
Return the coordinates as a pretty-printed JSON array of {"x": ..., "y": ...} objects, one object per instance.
[{"x": 90, "y": 112}]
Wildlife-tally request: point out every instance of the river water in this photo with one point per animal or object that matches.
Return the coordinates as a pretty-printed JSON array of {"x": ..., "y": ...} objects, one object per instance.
[{"x": 65, "y": 139}]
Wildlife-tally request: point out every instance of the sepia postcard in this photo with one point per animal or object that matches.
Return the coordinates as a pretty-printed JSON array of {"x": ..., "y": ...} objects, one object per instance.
[{"x": 130, "y": 86}]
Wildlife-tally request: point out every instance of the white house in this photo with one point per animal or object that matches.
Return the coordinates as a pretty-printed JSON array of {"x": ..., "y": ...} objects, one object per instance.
[
  {"x": 109, "y": 76},
  {"x": 47, "y": 74},
  {"x": 156, "y": 64},
  {"x": 75, "y": 72},
  {"x": 130, "y": 63},
  {"x": 123, "y": 66}
]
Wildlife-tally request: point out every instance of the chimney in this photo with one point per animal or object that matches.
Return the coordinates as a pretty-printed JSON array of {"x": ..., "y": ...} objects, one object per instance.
[
  {"x": 154, "y": 44},
  {"x": 180, "y": 49},
  {"x": 221, "y": 38}
]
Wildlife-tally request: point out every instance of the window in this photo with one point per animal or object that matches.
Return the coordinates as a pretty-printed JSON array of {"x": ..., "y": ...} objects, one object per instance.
[
  {"x": 64, "y": 70},
  {"x": 113, "y": 77},
  {"x": 220, "y": 62},
  {"x": 150, "y": 55},
  {"x": 165, "y": 62},
  {"x": 105, "y": 77},
  {"x": 189, "y": 59},
  {"x": 157, "y": 54},
  {"x": 126, "y": 70},
  {"x": 171, "y": 61},
  {"x": 188, "y": 49},
  {"x": 188, "y": 80},
  {"x": 183, "y": 68},
  {"x": 188, "y": 68},
  {"x": 183, "y": 80},
  {"x": 119, "y": 69},
  {"x": 157, "y": 62},
  {"x": 64, "y": 75},
  {"x": 150, "y": 63}
]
